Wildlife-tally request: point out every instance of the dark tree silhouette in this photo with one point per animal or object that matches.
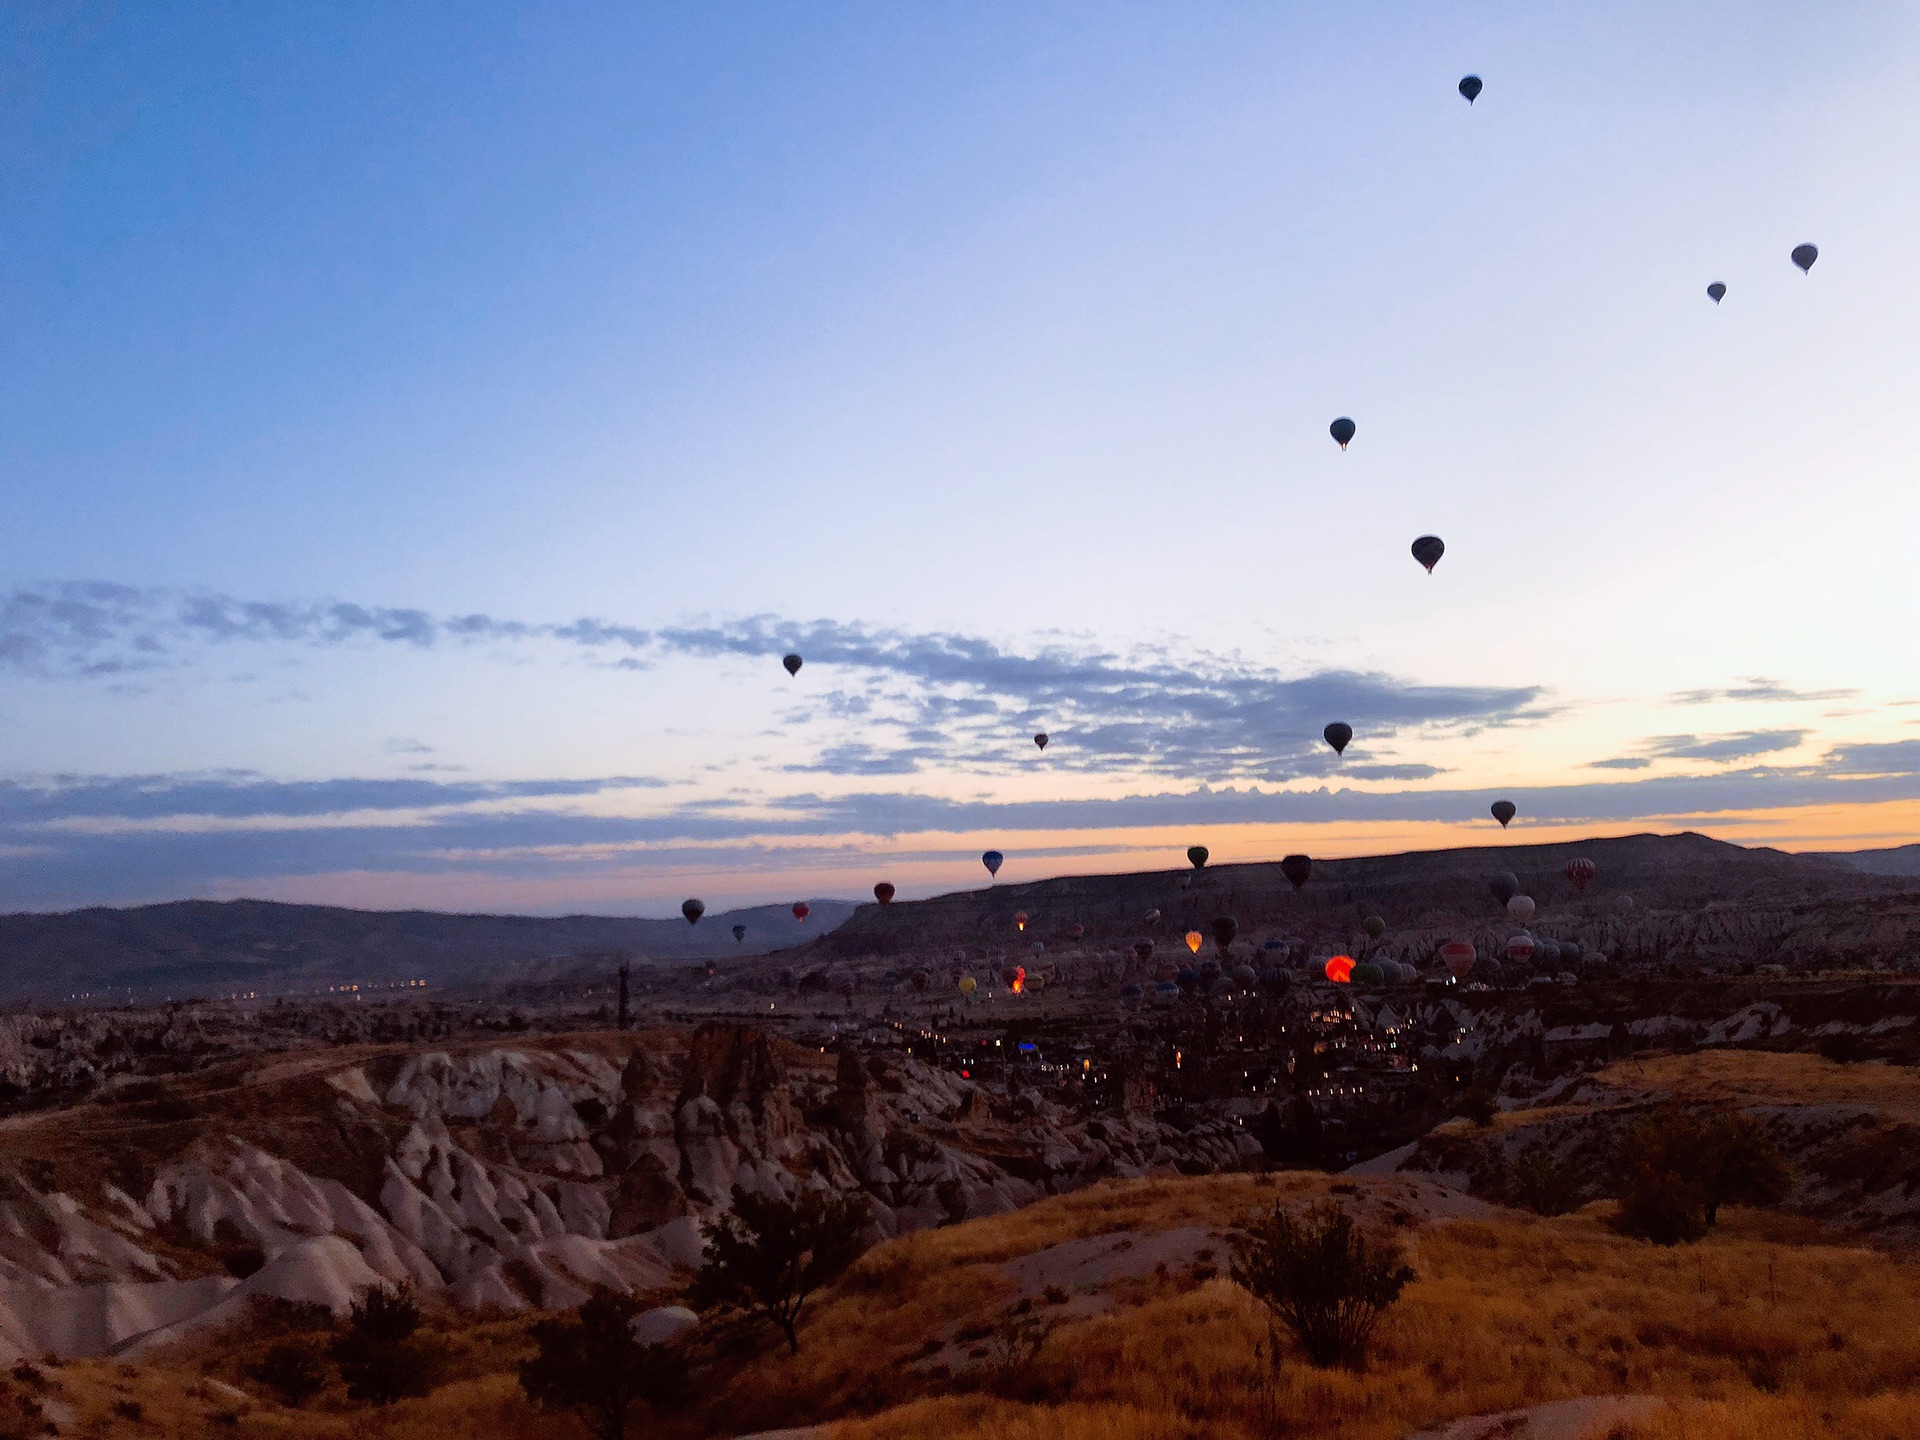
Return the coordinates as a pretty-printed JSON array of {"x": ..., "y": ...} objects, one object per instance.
[
  {"x": 1323, "y": 1278},
  {"x": 379, "y": 1355},
  {"x": 769, "y": 1255},
  {"x": 1676, "y": 1171},
  {"x": 293, "y": 1372},
  {"x": 590, "y": 1364}
]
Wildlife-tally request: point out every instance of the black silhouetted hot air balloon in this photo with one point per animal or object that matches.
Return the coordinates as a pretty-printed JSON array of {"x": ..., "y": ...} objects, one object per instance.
[
  {"x": 1143, "y": 949},
  {"x": 693, "y": 910},
  {"x": 1341, "y": 430},
  {"x": 1224, "y": 929},
  {"x": 993, "y": 860},
  {"x": 739, "y": 933},
  {"x": 793, "y": 664},
  {"x": 1804, "y": 256},
  {"x": 1428, "y": 549},
  {"x": 1041, "y": 739},
  {"x": 1296, "y": 868},
  {"x": 1471, "y": 87},
  {"x": 1338, "y": 735},
  {"x": 801, "y": 910},
  {"x": 1197, "y": 856},
  {"x": 1374, "y": 926},
  {"x": 1503, "y": 811},
  {"x": 1505, "y": 885},
  {"x": 883, "y": 892},
  {"x": 1716, "y": 292}
]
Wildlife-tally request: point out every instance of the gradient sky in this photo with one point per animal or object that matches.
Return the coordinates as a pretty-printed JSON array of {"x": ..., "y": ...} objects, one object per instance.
[{"x": 423, "y": 428}]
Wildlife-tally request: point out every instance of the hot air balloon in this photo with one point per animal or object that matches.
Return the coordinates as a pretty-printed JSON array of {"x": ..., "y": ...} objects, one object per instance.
[
  {"x": 1038, "y": 947},
  {"x": 883, "y": 892},
  {"x": 1520, "y": 947},
  {"x": 1246, "y": 975},
  {"x": 968, "y": 985},
  {"x": 1041, "y": 739},
  {"x": 1341, "y": 430},
  {"x": 793, "y": 664},
  {"x": 993, "y": 860},
  {"x": 1143, "y": 949},
  {"x": 1194, "y": 937},
  {"x": 1366, "y": 973},
  {"x": 1296, "y": 868},
  {"x": 1471, "y": 87},
  {"x": 1338, "y": 735},
  {"x": 1374, "y": 926},
  {"x": 1074, "y": 932},
  {"x": 1625, "y": 902},
  {"x": 1804, "y": 256},
  {"x": 1571, "y": 950},
  {"x": 1197, "y": 856},
  {"x": 1020, "y": 920},
  {"x": 1224, "y": 929},
  {"x": 1340, "y": 969},
  {"x": 693, "y": 910},
  {"x": 1428, "y": 549},
  {"x": 1546, "y": 950},
  {"x": 1458, "y": 956},
  {"x": 1503, "y": 885},
  {"x": 1503, "y": 811},
  {"x": 1521, "y": 908},
  {"x": 739, "y": 933},
  {"x": 1580, "y": 871},
  {"x": 801, "y": 910},
  {"x": 1152, "y": 917},
  {"x": 1716, "y": 292}
]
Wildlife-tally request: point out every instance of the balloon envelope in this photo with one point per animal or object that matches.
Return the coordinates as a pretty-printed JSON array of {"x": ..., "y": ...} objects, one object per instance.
[
  {"x": 793, "y": 663},
  {"x": 1716, "y": 292},
  {"x": 1152, "y": 917},
  {"x": 1197, "y": 856},
  {"x": 1580, "y": 871},
  {"x": 1341, "y": 430},
  {"x": 1428, "y": 549},
  {"x": 1041, "y": 739},
  {"x": 1074, "y": 932},
  {"x": 968, "y": 985},
  {"x": 1338, "y": 735},
  {"x": 739, "y": 933},
  {"x": 1805, "y": 255},
  {"x": 883, "y": 892},
  {"x": 1503, "y": 811},
  {"x": 801, "y": 910},
  {"x": 1504, "y": 886},
  {"x": 1340, "y": 969},
  {"x": 1374, "y": 926},
  {"x": 1521, "y": 908},
  {"x": 1019, "y": 919},
  {"x": 993, "y": 860},
  {"x": 1194, "y": 937},
  {"x": 1224, "y": 929},
  {"x": 1520, "y": 946},
  {"x": 1143, "y": 948},
  {"x": 1296, "y": 868},
  {"x": 693, "y": 910},
  {"x": 1471, "y": 87},
  {"x": 1458, "y": 956},
  {"x": 1366, "y": 973}
]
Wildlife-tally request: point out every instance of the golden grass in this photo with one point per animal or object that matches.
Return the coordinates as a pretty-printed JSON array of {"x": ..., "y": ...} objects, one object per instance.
[
  {"x": 1764, "y": 1077},
  {"x": 1892, "y": 1416}
]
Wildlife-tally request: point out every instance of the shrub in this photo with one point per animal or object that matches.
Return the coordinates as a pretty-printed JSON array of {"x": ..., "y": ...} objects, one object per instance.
[
  {"x": 769, "y": 1254},
  {"x": 293, "y": 1372},
  {"x": 590, "y": 1364},
  {"x": 1677, "y": 1171},
  {"x": 1479, "y": 1106},
  {"x": 21, "y": 1415},
  {"x": 379, "y": 1355},
  {"x": 1321, "y": 1277},
  {"x": 1544, "y": 1185}
]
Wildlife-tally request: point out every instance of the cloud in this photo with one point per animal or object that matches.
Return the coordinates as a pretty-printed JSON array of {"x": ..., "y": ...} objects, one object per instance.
[
  {"x": 1894, "y": 757},
  {"x": 1760, "y": 688},
  {"x": 1724, "y": 747},
  {"x": 1621, "y": 762},
  {"x": 906, "y": 702}
]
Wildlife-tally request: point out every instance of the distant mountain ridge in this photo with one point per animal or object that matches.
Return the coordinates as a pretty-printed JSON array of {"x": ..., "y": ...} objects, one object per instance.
[
  {"x": 209, "y": 947},
  {"x": 1894, "y": 860}
]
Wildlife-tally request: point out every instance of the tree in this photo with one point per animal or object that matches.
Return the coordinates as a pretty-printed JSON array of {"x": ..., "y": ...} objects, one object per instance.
[
  {"x": 379, "y": 1355},
  {"x": 1744, "y": 1166},
  {"x": 591, "y": 1364},
  {"x": 1322, "y": 1277},
  {"x": 1676, "y": 1171},
  {"x": 769, "y": 1255},
  {"x": 1479, "y": 1105},
  {"x": 1543, "y": 1184},
  {"x": 293, "y": 1372}
]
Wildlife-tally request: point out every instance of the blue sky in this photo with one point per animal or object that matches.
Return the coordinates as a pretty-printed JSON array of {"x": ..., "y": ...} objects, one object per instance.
[{"x": 423, "y": 428}]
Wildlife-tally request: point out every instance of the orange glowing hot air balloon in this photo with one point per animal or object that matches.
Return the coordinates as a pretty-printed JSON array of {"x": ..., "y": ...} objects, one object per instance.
[
  {"x": 1340, "y": 969},
  {"x": 1020, "y": 920},
  {"x": 1194, "y": 937}
]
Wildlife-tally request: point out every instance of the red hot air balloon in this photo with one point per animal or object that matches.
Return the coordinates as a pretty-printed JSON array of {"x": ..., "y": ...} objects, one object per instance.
[
  {"x": 1580, "y": 871},
  {"x": 1458, "y": 956},
  {"x": 1297, "y": 868},
  {"x": 883, "y": 892},
  {"x": 1520, "y": 947},
  {"x": 1340, "y": 969},
  {"x": 801, "y": 910}
]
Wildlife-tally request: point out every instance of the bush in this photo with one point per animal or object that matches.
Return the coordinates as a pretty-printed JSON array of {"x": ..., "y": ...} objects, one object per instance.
[
  {"x": 1544, "y": 1185},
  {"x": 293, "y": 1372},
  {"x": 380, "y": 1357},
  {"x": 769, "y": 1255},
  {"x": 1321, "y": 1277},
  {"x": 591, "y": 1365},
  {"x": 21, "y": 1414},
  {"x": 1676, "y": 1171},
  {"x": 1479, "y": 1106}
]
